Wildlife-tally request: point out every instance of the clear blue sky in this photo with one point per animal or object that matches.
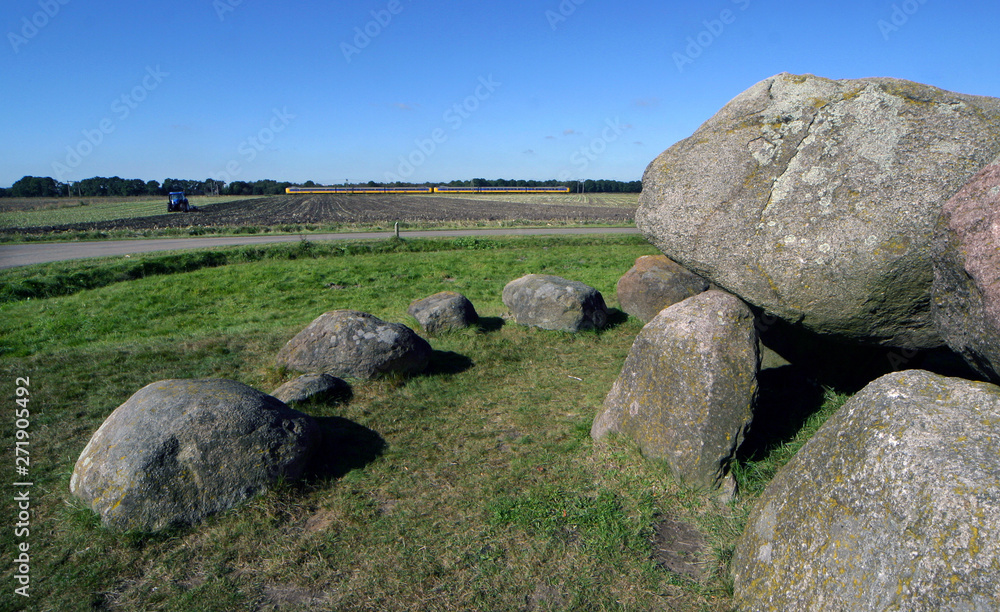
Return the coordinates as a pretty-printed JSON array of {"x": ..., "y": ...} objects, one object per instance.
[{"x": 439, "y": 90}]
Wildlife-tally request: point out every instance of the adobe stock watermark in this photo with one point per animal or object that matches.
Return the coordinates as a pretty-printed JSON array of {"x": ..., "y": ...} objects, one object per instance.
[
  {"x": 454, "y": 117},
  {"x": 565, "y": 9},
  {"x": 584, "y": 156},
  {"x": 899, "y": 17},
  {"x": 364, "y": 36},
  {"x": 122, "y": 107},
  {"x": 714, "y": 28},
  {"x": 222, "y": 7},
  {"x": 250, "y": 147},
  {"x": 30, "y": 27}
]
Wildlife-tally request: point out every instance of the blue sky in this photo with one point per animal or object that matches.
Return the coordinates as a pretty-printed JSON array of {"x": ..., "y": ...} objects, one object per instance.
[{"x": 430, "y": 90}]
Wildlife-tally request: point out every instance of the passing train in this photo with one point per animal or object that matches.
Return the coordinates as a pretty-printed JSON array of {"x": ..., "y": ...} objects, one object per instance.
[{"x": 442, "y": 189}]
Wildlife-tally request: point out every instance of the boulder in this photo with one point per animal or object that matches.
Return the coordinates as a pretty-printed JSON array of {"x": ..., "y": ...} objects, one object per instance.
[
  {"x": 687, "y": 389},
  {"x": 352, "y": 343},
  {"x": 444, "y": 311},
  {"x": 966, "y": 291},
  {"x": 894, "y": 504},
  {"x": 552, "y": 302},
  {"x": 320, "y": 386},
  {"x": 180, "y": 450},
  {"x": 654, "y": 283},
  {"x": 816, "y": 200}
]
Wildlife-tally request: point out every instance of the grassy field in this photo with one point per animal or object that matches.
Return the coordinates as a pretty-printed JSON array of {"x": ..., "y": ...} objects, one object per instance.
[
  {"x": 38, "y": 212},
  {"x": 474, "y": 486}
]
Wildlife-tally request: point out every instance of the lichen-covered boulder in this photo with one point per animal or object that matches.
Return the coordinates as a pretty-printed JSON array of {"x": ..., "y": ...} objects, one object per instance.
[
  {"x": 654, "y": 283},
  {"x": 966, "y": 295},
  {"x": 307, "y": 387},
  {"x": 894, "y": 504},
  {"x": 687, "y": 389},
  {"x": 444, "y": 311},
  {"x": 553, "y": 302},
  {"x": 180, "y": 450},
  {"x": 355, "y": 344},
  {"x": 816, "y": 200}
]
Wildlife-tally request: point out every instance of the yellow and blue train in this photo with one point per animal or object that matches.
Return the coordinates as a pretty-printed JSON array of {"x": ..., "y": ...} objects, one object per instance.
[{"x": 441, "y": 189}]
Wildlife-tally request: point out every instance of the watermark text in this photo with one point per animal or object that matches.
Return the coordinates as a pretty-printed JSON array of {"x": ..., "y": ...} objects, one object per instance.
[
  {"x": 22, "y": 486},
  {"x": 122, "y": 108},
  {"x": 30, "y": 27},
  {"x": 899, "y": 17},
  {"x": 252, "y": 146},
  {"x": 714, "y": 28},
  {"x": 454, "y": 117},
  {"x": 364, "y": 36}
]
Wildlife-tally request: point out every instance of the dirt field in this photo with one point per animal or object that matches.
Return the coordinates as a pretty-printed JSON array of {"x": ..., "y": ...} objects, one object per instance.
[{"x": 362, "y": 209}]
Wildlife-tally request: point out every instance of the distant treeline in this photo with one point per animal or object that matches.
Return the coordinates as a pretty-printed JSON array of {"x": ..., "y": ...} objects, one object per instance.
[{"x": 47, "y": 187}]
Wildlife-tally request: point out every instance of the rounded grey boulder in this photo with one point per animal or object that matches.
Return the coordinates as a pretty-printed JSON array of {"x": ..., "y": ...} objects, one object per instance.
[
  {"x": 553, "y": 302},
  {"x": 894, "y": 504},
  {"x": 686, "y": 391},
  {"x": 180, "y": 450},
  {"x": 357, "y": 344},
  {"x": 444, "y": 311},
  {"x": 312, "y": 386},
  {"x": 816, "y": 200},
  {"x": 654, "y": 283}
]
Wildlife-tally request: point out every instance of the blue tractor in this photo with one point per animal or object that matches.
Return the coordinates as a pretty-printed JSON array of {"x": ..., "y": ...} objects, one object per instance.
[{"x": 177, "y": 202}]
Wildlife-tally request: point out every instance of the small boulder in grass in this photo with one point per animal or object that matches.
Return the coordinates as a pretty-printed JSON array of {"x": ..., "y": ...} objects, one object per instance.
[
  {"x": 178, "y": 451},
  {"x": 348, "y": 343},
  {"x": 444, "y": 311},
  {"x": 307, "y": 387},
  {"x": 556, "y": 303},
  {"x": 655, "y": 282}
]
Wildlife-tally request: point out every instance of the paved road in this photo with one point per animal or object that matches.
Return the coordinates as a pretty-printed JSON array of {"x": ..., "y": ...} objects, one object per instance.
[{"x": 13, "y": 255}]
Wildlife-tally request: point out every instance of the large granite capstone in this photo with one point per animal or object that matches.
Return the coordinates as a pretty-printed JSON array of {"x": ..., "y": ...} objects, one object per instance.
[{"x": 816, "y": 200}]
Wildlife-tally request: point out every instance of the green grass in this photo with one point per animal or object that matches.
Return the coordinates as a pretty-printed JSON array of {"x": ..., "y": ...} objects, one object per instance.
[
  {"x": 473, "y": 486},
  {"x": 753, "y": 475},
  {"x": 36, "y": 212},
  {"x": 307, "y": 230}
]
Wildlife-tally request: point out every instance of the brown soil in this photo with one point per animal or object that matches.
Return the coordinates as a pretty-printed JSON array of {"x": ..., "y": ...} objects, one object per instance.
[{"x": 337, "y": 209}]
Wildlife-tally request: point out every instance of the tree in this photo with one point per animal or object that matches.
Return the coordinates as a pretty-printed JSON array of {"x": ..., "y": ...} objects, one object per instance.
[{"x": 35, "y": 186}]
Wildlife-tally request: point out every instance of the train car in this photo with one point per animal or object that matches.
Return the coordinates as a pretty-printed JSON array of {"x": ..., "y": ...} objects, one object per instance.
[
  {"x": 440, "y": 189},
  {"x": 359, "y": 189},
  {"x": 443, "y": 189}
]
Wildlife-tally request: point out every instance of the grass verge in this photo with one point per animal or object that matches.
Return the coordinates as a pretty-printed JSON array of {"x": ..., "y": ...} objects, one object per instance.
[{"x": 309, "y": 229}]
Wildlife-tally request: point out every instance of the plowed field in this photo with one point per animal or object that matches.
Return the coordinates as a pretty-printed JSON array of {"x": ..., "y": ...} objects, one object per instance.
[{"x": 363, "y": 209}]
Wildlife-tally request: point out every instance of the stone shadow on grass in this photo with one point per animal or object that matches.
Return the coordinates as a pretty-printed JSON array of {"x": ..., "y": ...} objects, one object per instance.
[
  {"x": 616, "y": 317},
  {"x": 786, "y": 398},
  {"x": 447, "y": 362},
  {"x": 345, "y": 446},
  {"x": 490, "y": 324}
]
